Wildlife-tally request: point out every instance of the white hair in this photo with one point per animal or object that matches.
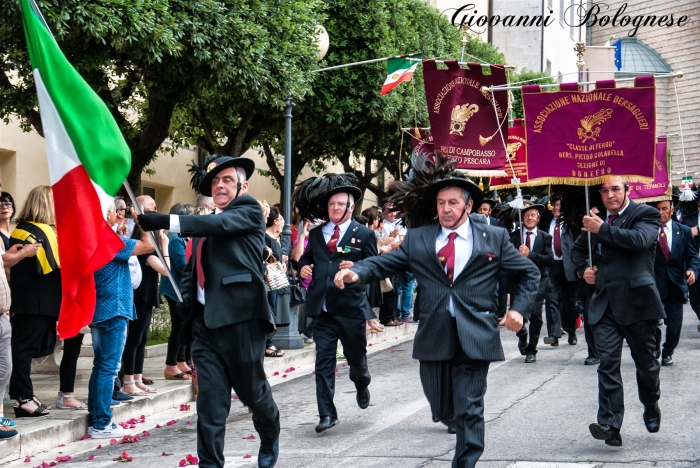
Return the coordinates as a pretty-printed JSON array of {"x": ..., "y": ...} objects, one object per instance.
[{"x": 241, "y": 175}]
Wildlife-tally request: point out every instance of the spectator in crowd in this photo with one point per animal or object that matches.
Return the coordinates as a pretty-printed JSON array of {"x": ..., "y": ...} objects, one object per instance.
[
  {"x": 176, "y": 366},
  {"x": 33, "y": 315},
  {"x": 145, "y": 299},
  {"x": 7, "y": 211},
  {"x": 124, "y": 225},
  {"x": 298, "y": 248},
  {"x": 486, "y": 209},
  {"x": 273, "y": 229},
  {"x": 114, "y": 307}
]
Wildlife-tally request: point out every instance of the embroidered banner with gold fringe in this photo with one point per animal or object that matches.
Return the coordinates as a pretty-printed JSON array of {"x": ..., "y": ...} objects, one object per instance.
[
  {"x": 659, "y": 189},
  {"x": 421, "y": 140},
  {"x": 578, "y": 138},
  {"x": 517, "y": 157},
  {"x": 463, "y": 122}
]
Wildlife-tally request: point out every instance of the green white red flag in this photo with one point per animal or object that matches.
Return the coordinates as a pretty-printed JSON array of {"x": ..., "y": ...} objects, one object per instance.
[
  {"x": 400, "y": 69},
  {"x": 88, "y": 161}
]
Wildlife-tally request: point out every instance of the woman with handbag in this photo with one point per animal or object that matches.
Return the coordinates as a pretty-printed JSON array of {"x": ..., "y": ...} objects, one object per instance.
[{"x": 274, "y": 226}]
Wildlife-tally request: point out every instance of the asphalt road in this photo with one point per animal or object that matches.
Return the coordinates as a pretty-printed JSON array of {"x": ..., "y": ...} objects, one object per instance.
[{"x": 537, "y": 417}]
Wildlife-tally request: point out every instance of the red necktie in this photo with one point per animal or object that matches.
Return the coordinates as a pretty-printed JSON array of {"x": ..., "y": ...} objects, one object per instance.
[
  {"x": 612, "y": 218},
  {"x": 663, "y": 243},
  {"x": 334, "y": 240},
  {"x": 557, "y": 239},
  {"x": 200, "y": 270},
  {"x": 446, "y": 255},
  {"x": 527, "y": 239}
]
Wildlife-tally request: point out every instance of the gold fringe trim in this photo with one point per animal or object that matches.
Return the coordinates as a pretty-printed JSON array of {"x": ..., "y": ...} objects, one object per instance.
[
  {"x": 653, "y": 199},
  {"x": 592, "y": 181},
  {"x": 509, "y": 186},
  {"x": 482, "y": 173}
]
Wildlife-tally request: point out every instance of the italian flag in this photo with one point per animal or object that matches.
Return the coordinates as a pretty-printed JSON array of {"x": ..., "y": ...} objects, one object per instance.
[
  {"x": 88, "y": 161},
  {"x": 400, "y": 69}
]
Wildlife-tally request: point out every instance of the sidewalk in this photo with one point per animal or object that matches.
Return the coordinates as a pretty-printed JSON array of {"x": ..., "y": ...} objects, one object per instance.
[{"x": 66, "y": 426}]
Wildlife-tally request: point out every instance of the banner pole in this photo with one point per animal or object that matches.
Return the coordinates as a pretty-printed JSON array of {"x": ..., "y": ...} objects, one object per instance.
[
  {"x": 580, "y": 48},
  {"x": 136, "y": 206},
  {"x": 588, "y": 211},
  {"x": 678, "y": 74}
]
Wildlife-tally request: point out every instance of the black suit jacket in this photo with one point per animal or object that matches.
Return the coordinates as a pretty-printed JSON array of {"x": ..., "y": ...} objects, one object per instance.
[
  {"x": 362, "y": 243},
  {"x": 233, "y": 265},
  {"x": 625, "y": 280},
  {"x": 684, "y": 257},
  {"x": 475, "y": 327},
  {"x": 691, "y": 221},
  {"x": 540, "y": 254}
]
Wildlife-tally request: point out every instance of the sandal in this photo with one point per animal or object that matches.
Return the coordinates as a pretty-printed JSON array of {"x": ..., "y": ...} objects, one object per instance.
[
  {"x": 147, "y": 381},
  {"x": 40, "y": 412},
  {"x": 273, "y": 351},
  {"x": 60, "y": 405},
  {"x": 180, "y": 376},
  {"x": 147, "y": 389},
  {"x": 7, "y": 433},
  {"x": 137, "y": 392}
]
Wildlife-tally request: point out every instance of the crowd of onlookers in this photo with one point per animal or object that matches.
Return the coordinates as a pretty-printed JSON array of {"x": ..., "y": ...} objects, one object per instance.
[{"x": 30, "y": 263}]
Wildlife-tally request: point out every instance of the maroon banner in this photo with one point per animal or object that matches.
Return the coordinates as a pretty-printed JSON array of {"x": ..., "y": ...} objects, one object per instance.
[
  {"x": 517, "y": 159},
  {"x": 463, "y": 121},
  {"x": 421, "y": 140},
  {"x": 660, "y": 188},
  {"x": 578, "y": 138}
]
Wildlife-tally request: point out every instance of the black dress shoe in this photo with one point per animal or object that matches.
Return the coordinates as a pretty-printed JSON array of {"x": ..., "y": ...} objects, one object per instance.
[
  {"x": 268, "y": 453},
  {"x": 522, "y": 343},
  {"x": 609, "y": 434},
  {"x": 530, "y": 358},
  {"x": 591, "y": 361},
  {"x": 363, "y": 398},
  {"x": 657, "y": 354},
  {"x": 326, "y": 423},
  {"x": 667, "y": 361},
  {"x": 452, "y": 429},
  {"x": 572, "y": 339},
  {"x": 551, "y": 340},
  {"x": 652, "y": 417},
  {"x": 121, "y": 396}
]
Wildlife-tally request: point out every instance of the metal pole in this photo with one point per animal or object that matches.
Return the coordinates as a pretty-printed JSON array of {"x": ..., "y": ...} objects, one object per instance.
[
  {"x": 287, "y": 231},
  {"x": 153, "y": 239},
  {"x": 678, "y": 74},
  {"x": 580, "y": 48}
]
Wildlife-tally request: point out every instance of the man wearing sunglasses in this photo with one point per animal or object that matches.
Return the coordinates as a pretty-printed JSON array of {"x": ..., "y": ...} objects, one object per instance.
[{"x": 625, "y": 304}]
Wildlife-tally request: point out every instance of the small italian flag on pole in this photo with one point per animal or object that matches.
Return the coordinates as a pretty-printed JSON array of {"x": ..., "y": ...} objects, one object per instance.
[
  {"x": 400, "y": 69},
  {"x": 88, "y": 161}
]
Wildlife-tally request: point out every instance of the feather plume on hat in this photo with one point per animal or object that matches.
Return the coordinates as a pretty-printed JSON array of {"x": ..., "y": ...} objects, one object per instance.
[
  {"x": 307, "y": 193},
  {"x": 407, "y": 196}
]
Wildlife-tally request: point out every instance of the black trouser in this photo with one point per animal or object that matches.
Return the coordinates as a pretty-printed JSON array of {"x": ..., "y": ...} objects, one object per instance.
[
  {"x": 176, "y": 352},
  {"x": 328, "y": 329},
  {"x": 673, "y": 306},
  {"x": 69, "y": 362},
  {"x": 304, "y": 326},
  {"x": 535, "y": 324},
  {"x": 694, "y": 297},
  {"x": 609, "y": 336},
  {"x": 455, "y": 390},
  {"x": 231, "y": 357},
  {"x": 28, "y": 334},
  {"x": 585, "y": 292},
  {"x": 387, "y": 311},
  {"x": 561, "y": 302},
  {"x": 135, "y": 347}
]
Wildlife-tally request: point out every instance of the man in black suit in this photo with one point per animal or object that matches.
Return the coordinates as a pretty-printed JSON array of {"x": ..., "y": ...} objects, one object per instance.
[
  {"x": 563, "y": 283},
  {"x": 536, "y": 245},
  {"x": 338, "y": 315},
  {"x": 625, "y": 305},
  {"x": 676, "y": 268},
  {"x": 225, "y": 294},
  {"x": 486, "y": 209},
  {"x": 456, "y": 265},
  {"x": 691, "y": 221}
]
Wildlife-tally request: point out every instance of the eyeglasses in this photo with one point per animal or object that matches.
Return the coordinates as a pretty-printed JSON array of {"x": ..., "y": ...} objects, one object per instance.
[
  {"x": 6, "y": 204},
  {"x": 605, "y": 191},
  {"x": 120, "y": 209}
]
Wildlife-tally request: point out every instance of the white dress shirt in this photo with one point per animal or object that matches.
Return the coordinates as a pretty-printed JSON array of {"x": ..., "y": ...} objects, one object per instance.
[
  {"x": 175, "y": 227},
  {"x": 552, "y": 225},
  {"x": 669, "y": 235},
  {"x": 464, "y": 244}
]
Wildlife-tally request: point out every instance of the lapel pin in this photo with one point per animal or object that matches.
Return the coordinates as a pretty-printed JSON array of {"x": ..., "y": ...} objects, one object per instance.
[
  {"x": 484, "y": 234},
  {"x": 352, "y": 241}
]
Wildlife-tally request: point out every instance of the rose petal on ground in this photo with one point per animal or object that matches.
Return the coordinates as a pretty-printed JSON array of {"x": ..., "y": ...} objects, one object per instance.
[
  {"x": 27, "y": 460},
  {"x": 86, "y": 436},
  {"x": 276, "y": 373},
  {"x": 112, "y": 441},
  {"x": 235, "y": 397},
  {"x": 284, "y": 376},
  {"x": 369, "y": 344},
  {"x": 183, "y": 462},
  {"x": 146, "y": 433},
  {"x": 157, "y": 426},
  {"x": 91, "y": 457},
  {"x": 64, "y": 458},
  {"x": 99, "y": 446},
  {"x": 247, "y": 455},
  {"x": 393, "y": 350}
]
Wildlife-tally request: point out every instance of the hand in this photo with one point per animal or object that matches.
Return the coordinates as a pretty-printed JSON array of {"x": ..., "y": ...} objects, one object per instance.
[
  {"x": 163, "y": 240},
  {"x": 284, "y": 259},
  {"x": 345, "y": 264},
  {"x": 306, "y": 271},
  {"x": 394, "y": 233},
  {"x": 122, "y": 228},
  {"x": 513, "y": 321},
  {"x": 384, "y": 249},
  {"x": 524, "y": 250},
  {"x": 28, "y": 250},
  {"x": 589, "y": 274},
  {"x": 306, "y": 230},
  {"x": 395, "y": 245},
  {"x": 690, "y": 277},
  {"x": 694, "y": 231},
  {"x": 592, "y": 223},
  {"x": 345, "y": 276}
]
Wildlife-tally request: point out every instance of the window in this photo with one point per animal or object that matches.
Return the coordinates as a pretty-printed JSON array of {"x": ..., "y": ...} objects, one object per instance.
[{"x": 151, "y": 192}]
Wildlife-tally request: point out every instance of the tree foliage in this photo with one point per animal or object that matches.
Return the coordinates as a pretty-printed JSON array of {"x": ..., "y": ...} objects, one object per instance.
[{"x": 147, "y": 57}]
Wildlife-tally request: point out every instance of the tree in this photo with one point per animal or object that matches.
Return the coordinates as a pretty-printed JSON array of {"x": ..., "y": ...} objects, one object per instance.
[
  {"x": 145, "y": 58},
  {"x": 345, "y": 119},
  {"x": 532, "y": 77}
]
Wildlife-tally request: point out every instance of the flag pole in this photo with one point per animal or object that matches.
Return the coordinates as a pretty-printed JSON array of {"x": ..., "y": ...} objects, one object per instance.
[
  {"x": 383, "y": 59},
  {"x": 678, "y": 74},
  {"x": 136, "y": 206}
]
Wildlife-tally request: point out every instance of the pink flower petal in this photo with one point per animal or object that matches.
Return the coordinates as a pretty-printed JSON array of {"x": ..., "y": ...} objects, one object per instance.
[
  {"x": 112, "y": 441},
  {"x": 146, "y": 433},
  {"x": 184, "y": 407},
  {"x": 393, "y": 350},
  {"x": 276, "y": 373},
  {"x": 171, "y": 423},
  {"x": 183, "y": 462},
  {"x": 336, "y": 370},
  {"x": 62, "y": 445},
  {"x": 313, "y": 371},
  {"x": 99, "y": 446},
  {"x": 369, "y": 344},
  {"x": 64, "y": 458},
  {"x": 235, "y": 397},
  {"x": 157, "y": 426},
  {"x": 27, "y": 460},
  {"x": 52, "y": 464},
  {"x": 189, "y": 423},
  {"x": 247, "y": 455},
  {"x": 86, "y": 436},
  {"x": 345, "y": 365},
  {"x": 284, "y": 376},
  {"x": 91, "y": 457}
]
